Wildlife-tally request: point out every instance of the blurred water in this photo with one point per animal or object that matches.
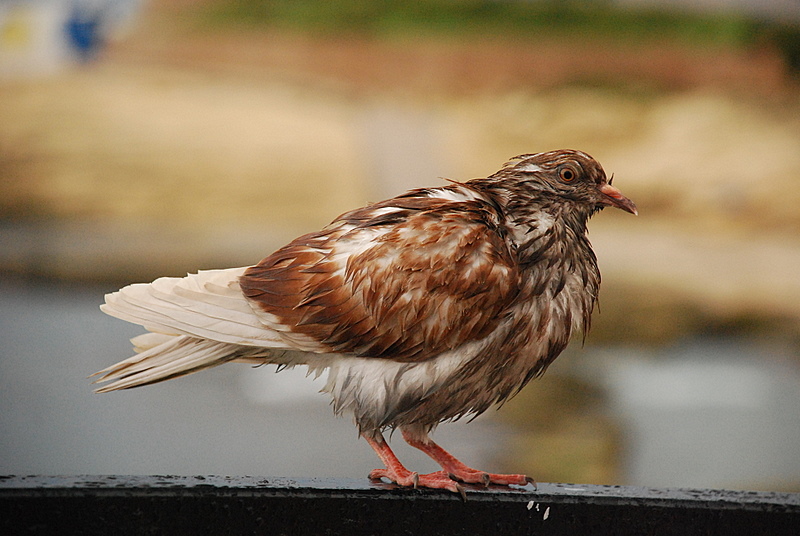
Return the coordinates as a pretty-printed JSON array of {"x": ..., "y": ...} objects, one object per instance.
[{"x": 708, "y": 414}]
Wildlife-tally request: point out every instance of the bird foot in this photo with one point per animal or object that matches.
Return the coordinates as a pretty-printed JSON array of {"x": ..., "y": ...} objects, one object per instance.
[
  {"x": 406, "y": 478},
  {"x": 456, "y": 469},
  {"x": 472, "y": 476}
]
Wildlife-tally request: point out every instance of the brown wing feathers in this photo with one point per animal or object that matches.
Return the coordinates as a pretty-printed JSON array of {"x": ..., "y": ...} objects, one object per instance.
[{"x": 405, "y": 279}]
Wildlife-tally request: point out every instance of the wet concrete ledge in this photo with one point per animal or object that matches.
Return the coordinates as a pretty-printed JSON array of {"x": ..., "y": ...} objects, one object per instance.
[{"x": 253, "y": 505}]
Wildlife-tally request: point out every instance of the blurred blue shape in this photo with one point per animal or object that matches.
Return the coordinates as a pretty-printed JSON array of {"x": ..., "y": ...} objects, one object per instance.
[
  {"x": 83, "y": 29},
  {"x": 42, "y": 37}
]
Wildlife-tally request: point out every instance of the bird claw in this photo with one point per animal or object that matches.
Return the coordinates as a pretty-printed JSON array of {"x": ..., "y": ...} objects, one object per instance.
[{"x": 462, "y": 492}]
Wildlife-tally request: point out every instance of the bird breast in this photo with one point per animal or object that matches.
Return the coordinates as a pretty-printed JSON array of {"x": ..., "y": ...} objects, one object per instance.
[{"x": 466, "y": 380}]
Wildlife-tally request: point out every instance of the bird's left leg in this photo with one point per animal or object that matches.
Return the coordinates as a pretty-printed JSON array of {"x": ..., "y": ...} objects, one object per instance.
[{"x": 418, "y": 437}]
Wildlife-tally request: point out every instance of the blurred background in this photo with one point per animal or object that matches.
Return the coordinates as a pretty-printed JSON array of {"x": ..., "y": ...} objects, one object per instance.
[{"x": 140, "y": 139}]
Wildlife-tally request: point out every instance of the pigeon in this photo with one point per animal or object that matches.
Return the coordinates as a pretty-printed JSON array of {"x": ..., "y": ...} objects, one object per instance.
[{"x": 431, "y": 306}]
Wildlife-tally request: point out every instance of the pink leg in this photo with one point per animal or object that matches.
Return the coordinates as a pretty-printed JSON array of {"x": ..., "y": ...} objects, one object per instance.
[
  {"x": 455, "y": 468},
  {"x": 397, "y": 473}
]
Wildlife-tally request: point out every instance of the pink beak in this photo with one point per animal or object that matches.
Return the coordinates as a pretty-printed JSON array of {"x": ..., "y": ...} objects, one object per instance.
[{"x": 614, "y": 198}]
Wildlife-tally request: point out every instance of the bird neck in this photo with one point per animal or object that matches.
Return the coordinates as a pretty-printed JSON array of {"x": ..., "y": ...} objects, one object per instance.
[
  {"x": 545, "y": 229},
  {"x": 551, "y": 231}
]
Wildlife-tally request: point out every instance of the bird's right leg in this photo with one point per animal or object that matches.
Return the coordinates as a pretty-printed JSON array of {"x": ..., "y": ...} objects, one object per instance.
[
  {"x": 397, "y": 473},
  {"x": 418, "y": 438}
]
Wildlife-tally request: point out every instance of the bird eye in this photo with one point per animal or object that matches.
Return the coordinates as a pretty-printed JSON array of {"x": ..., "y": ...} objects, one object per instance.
[{"x": 567, "y": 174}]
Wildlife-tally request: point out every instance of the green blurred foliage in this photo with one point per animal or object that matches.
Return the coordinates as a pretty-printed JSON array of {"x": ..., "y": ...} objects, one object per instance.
[{"x": 468, "y": 18}]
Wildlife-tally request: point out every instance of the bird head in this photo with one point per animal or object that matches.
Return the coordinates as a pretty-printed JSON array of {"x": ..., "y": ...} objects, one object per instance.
[{"x": 571, "y": 175}]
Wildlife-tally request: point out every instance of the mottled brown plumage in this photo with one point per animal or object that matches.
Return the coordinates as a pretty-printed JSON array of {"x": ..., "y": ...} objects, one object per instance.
[{"x": 430, "y": 306}]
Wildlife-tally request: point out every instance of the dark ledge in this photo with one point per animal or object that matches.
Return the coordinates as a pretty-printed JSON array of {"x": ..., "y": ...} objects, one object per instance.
[{"x": 252, "y": 505}]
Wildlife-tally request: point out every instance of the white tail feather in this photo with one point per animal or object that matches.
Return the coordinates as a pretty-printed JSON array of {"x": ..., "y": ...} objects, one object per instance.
[
  {"x": 145, "y": 341},
  {"x": 176, "y": 356},
  {"x": 207, "y": 305},
  {"x": 196, "y": 322}
]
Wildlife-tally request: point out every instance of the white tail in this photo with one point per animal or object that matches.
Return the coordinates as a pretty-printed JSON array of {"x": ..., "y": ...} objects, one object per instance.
[
  {"x": 196, "y": 322},
  {"x": 177, "y": 356},
  {"x": 206, "y": 305}
]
